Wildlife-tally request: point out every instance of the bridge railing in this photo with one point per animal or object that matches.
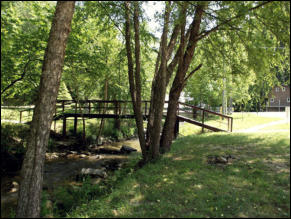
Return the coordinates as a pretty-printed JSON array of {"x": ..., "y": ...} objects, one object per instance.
[
  {"x": 124, "y": 107},
  {"x": 25, "y": 113},
  {"x": 112, "y": 107},
  {"x": 205, "y": 116}
]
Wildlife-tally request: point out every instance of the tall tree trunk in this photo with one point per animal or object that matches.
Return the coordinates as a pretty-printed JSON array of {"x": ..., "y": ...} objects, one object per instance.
[
  {"x": 29, "y": 198},
  {"x": 104, "y": 111},
  {"x": 134, "y": 78},
  {"x": 181, "y": 78},
  {"x": 158, "y": 93}
]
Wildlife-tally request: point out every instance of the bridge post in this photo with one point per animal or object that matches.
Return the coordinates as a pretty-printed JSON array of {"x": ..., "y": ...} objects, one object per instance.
[
  {"x": 63, "y": 105},
  {"x": 194, "y": 113},
  {"x": 116, "y": 112},
  {"x": 203, "y": 121},
  {"x": 64, "y": 126},
  {"x": 20, "y": 116}
]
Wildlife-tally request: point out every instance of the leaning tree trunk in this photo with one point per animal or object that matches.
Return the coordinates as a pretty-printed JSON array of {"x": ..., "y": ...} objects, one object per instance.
[
  {"x": 180, "y": 79},
  {"x": 29, "y": 198},
  {"x": 158, "y": 94},
  {"x": 134, "y": 77}
]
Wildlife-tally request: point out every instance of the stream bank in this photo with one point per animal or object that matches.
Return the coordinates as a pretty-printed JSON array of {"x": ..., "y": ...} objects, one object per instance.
[{"x": 68, "y": 166}]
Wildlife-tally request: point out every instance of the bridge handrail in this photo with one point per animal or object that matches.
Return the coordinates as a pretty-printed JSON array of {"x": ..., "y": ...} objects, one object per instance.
[
  {"x": 99, "y": 101},
  {"x": 18, "y": 107},
  {"x": 145, "y": 110},
  {"x": 205, "y": 110}
]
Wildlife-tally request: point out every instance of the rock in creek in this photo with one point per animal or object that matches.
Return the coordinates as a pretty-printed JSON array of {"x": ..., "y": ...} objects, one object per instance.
[{"x": 126, "y": 149}]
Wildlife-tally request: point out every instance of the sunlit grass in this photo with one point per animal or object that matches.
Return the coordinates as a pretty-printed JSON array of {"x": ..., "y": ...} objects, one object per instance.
[
  {"x": 247, "y": 120},
  {"x": 241, "y": 121},
  {"x": 285, "y": 126},
  {"x": 183, "y": 184}
]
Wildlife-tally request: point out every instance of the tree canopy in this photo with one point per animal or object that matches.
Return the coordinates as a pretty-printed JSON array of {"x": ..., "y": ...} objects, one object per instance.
[{"x": 250, "y": 44}]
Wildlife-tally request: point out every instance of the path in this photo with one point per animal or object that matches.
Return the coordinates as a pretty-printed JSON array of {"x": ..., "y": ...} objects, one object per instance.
[{"x": 259, "y": 127}]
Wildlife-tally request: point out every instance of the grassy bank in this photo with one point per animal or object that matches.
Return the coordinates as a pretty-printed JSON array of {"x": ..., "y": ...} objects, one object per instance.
[
  {"x": 241, "y": 121},
  {"x": 182, "y": 184}
]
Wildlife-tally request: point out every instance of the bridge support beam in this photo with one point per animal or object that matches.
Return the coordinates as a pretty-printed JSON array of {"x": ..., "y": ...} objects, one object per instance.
[{"x": 75, "y": 125}]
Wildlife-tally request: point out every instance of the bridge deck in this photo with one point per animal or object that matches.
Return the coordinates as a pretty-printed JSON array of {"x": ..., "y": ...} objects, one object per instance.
[{"x": 93, "y": 115}]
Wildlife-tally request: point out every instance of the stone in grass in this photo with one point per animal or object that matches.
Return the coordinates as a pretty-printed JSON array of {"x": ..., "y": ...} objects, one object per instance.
[
  {"x": 93, "y": 172},
  {"x": 216, "y": 159},
  {"x": 126, "y": 149}
]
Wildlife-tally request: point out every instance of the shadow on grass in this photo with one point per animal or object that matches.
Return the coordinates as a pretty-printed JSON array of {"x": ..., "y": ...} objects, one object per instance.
[{"x": 183, "y": 184}]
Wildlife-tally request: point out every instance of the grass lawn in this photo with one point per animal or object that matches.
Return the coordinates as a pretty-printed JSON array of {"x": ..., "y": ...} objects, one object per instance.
[
  {"x": 280, "y": 126},
  {"x": 182, "y": 184},
  {"x": 241, "y": 121},
  {"x": 247, "y": 120}
]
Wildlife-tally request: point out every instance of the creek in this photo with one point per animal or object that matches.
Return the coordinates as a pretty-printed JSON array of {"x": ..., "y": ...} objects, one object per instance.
[{"x": 65, "y": 166}]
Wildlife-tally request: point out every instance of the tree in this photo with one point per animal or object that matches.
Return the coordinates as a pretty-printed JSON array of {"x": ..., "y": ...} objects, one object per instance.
[
  {"x": 214, "y": 30},
  {"x": 150, "y": 143},
  {"x": 249, "y": 54},
  {"x": 32, "y": 168}
]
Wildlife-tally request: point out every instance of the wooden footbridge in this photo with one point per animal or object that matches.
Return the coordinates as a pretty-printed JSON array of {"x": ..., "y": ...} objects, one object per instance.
[{"x": 119, "y": 109}]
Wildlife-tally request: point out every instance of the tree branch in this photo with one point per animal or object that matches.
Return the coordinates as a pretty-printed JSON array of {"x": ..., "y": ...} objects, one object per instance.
[
  {"x": 21, "y": 77},
  {"x": 206, "y": 33},
  {"x": 113, "y": 20},
  {"x": 191, "y": 73}
]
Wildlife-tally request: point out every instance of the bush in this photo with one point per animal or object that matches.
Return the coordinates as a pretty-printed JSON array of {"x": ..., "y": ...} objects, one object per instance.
[
  {"x": 69, "y": 197},
  {"x": 12, "y": 137}
]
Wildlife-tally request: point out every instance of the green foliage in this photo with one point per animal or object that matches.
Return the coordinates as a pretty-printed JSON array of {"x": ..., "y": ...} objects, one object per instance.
[
  {"x": 247, "y": 51},
  {"x": 24, "y": 33},
  {"x": 251, "y": 51},
  {"x": 51, "y": 145},
  {"x": 127, "y": 129},
  {"x": 12, "y": 137},
  {"x": 95, "y": 52},
  {"x": 64, "y": 93},
  {"x": 66, "y": 198},
  {"x": 46, "y": 210}
]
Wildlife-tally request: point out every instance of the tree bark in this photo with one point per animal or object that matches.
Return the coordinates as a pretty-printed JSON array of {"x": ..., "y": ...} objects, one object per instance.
[
  {"x": 158, "y": 94},
  {"x": 180, "y": 79},
  {"x": 134, "y": 78},
  {"x": 29, "y": 198}
]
